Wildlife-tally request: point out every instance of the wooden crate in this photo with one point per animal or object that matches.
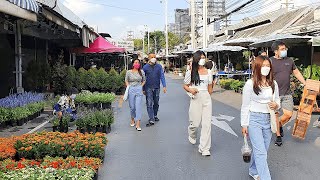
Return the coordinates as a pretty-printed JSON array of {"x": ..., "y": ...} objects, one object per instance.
[
  {"x": 306, "y": 107},
  {"x": 301, "y": 125}
]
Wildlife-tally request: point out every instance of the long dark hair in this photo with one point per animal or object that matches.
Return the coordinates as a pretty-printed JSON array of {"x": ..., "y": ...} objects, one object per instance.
[
  {"x": 139, "y": 70},
  {"x": 195, "y": 78},
  {"x": 257, "y": 76}
]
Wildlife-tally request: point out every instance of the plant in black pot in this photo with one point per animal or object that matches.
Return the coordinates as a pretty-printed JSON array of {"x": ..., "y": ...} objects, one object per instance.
[
  {"x": 55, "y": 124},
  {"x": 100, "y": 118},
  {"x": 81, "y": 125},
  {"x": 92, "y": 123}
]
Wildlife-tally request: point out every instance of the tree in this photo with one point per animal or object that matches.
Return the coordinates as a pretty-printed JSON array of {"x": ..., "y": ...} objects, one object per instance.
[
  {"x": 138, "y": 43},
  {"x": 160, "y": 39}
]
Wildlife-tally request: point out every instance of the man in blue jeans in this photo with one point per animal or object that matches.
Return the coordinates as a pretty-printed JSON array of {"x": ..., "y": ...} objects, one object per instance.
[{"x": 154, "y": 74}]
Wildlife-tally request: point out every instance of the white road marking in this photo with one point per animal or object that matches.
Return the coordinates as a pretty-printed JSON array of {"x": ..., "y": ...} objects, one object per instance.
[
  {"x": 228, "y": 118},
  {"x": 222, "y": 124},
  {"x": 38, "y": 127}
]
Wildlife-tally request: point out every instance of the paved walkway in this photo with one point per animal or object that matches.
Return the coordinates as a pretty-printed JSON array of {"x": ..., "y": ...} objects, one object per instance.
[{"x": 163, "y": 151}]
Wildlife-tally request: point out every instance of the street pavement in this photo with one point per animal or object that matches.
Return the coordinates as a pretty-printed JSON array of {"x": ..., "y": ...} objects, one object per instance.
[{"x": 162, "y": 152}]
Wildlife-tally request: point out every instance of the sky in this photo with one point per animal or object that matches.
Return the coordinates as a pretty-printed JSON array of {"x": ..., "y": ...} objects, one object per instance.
[{"x": 117, "y": 17}]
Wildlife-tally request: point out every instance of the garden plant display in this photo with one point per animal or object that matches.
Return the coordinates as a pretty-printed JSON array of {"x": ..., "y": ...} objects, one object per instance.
[
  {"x": 98, "y": 100},
  {"x": 20, "y": 108},
  {"x": 37, "y": 173},
  {"x": 50, "y": 162},
  {"x": 51, "y": 155},
  {"x": 56, "y": 144},
  {"x": 95, "y": 121}
]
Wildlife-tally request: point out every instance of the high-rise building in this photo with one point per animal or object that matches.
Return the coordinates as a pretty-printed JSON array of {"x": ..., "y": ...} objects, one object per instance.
[{"x": 182, "y": 22}]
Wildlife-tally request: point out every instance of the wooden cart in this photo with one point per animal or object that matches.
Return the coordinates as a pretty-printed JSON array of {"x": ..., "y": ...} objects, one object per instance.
[{"x": 306, "y": 107}]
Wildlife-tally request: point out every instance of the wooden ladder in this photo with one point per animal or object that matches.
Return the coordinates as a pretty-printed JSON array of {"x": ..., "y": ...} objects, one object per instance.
[{"x": 306, "y": 107}]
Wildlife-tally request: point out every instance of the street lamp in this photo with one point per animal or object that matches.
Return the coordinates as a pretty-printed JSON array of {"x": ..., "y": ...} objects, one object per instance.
[{"x": 143, "y": 33}]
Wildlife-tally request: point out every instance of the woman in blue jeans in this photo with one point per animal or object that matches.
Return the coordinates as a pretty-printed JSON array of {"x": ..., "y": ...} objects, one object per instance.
[
  {"x": 135, "y": 79},
  {"x": 258, "y": 93}
]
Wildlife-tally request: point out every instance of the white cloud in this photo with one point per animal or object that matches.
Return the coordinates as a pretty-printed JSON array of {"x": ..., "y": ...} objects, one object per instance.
[{"x": 81, "y": 8}]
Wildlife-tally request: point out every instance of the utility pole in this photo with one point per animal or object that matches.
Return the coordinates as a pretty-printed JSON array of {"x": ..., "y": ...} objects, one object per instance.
[
  {"x": 193, "y": 29},
  {"x": 147, "y": 29},
  {"x": 166, "y": 24},
  {"x": 143, "y": 34},
  {"x": 155, "y": 45},
  {"x": 205, "y": 24}
]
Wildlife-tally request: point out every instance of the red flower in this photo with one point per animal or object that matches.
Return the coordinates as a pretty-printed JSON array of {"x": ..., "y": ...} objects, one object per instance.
[
  {"x": 20, "y": 165},
  {"x": 73, "y": 164}
]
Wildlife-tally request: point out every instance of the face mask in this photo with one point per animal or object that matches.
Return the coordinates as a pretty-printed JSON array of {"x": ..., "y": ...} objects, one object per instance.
[
  {"x": 283, "y": 54},
  {"x": 153, "y": 60},
  {"x": 265, "y": 71},
  {"x": 136, "y": 66},
  {"x": 202, "y": 62}
]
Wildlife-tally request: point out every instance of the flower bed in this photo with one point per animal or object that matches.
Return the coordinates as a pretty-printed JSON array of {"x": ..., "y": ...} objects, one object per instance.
[
  {"x": 49, "y": 173},
  {"x": 95, "y": 121},
  {"x": 50, "y": 162},
  {"x": 56, "y": 144},
  {"x": 95, "y": 100},
  {"x": 20, "y": 108},
  {"x": 7, "y": 149}
]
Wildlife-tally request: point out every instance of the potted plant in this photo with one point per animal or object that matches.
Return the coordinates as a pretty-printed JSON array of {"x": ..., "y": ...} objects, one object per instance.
[
  {"x": 81, "y": 125},
  {"x": 55, "y": 124}
]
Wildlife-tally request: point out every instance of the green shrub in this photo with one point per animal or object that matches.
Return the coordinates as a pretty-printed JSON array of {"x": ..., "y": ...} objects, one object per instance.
[
  {"x": 226, "y": 83},
  {"x": 113, "y": 80},
  {"x": 81, "y": 79},
  {"x": 91, "y": 79}
]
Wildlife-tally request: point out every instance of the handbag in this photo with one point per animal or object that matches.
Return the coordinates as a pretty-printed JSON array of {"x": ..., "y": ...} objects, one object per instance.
[
  {"x": 126, "y": 94},
  {"x": 246, "y": 150},
  {"x": 273, "y": 118}
]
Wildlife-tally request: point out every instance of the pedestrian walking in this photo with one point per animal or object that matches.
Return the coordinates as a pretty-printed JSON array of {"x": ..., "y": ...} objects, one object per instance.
[
  {"x": 283, "y": 68},
  {"x": 135, "y": 80},
  {"x": 258, "y": 94},
  {"x": 154, "y": 74},
  {"x": 198, "y": 82}
]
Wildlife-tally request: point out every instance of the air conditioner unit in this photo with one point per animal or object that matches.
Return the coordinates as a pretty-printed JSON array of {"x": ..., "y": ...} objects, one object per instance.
[{"x": 229, "y": 32}]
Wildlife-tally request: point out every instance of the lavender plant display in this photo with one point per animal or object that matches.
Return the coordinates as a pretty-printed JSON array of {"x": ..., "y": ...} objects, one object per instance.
[{"x": 19, "y": 100}]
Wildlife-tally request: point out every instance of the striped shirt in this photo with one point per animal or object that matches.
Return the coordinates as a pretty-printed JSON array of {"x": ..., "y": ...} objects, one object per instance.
[{"x": 134, "y": 78}]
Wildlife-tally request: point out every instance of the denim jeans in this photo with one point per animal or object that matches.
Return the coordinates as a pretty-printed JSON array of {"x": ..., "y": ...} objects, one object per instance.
[
  {"x": 152, "y": 97},
  {"x": 260, "y": 136},
  {"x": 135, "y": 102}
]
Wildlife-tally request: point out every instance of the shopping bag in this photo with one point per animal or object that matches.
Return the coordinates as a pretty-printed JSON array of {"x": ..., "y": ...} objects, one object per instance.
[
  {"x": 126, "y": 94},
  {"x": 273, "y": 118},
  {"x": 246, "y": 150}
]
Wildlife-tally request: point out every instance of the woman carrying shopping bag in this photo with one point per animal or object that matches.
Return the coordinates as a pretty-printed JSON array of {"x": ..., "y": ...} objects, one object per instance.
[
  {"x": 135, "y": 80},
  {"x": 198, "y": 82},
  {"x": 260, "y": 94}
]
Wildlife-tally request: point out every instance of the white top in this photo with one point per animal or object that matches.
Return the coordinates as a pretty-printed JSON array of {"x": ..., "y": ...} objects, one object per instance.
[
  {"x": 257, "y": 103},
  {"x": 205, "y": 80}
]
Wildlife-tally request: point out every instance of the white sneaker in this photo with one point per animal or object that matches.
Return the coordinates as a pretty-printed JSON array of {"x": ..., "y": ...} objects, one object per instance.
[
  {"x": 192, "y": 141},
  {"x": 138, "y": 128},
  {"x": 316, "y": 124},
  {"x": 204, "y": 153},
  {"x": 132, "y": 125},
  {"x": 255, "y": 177}
]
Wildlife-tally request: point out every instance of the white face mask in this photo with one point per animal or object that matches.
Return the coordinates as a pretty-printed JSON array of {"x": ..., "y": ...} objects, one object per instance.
[
  {"x": 202, "y": 62},
  {"x": 153, "y": 60},
  {"x": 73, "y": 96},
  {"x": 265, "y": 71}
]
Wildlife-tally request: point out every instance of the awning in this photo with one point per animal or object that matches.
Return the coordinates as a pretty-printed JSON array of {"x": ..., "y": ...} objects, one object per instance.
[
  {"x": 12, "y": 9},
  {"x": 223, "y": 48},
  {"x": 100, "y": 45},
  {"x": 240, "y": 42},
  {"x": 30, "y": 5},
  {"x": 286, "y": 38}
]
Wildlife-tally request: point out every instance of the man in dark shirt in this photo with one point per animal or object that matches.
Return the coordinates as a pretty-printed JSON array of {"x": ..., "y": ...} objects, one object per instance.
[
  {"x": 283, "y": 67},
  {"x": 154, "y": 74}
]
